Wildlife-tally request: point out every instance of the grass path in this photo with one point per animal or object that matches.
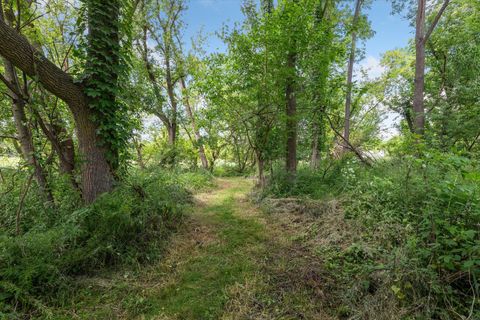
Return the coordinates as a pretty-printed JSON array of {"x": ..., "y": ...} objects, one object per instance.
[{"x": 229, "y": 261}]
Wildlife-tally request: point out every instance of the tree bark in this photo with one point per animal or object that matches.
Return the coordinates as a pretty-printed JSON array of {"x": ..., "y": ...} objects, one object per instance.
[
  {"x": 261, "y": 169},
  {"x": 138, "y": 148},
  {"x": 172, "y": 131},
  {"x": 351, "y": 62},
  {"x": 24, "y": 133},
  {"x": 63, "y": 145},
  {"x": 169, "y": 123},
  {"x": 198, "y": 137},
  {"x": 418, "y": 105},
  {"x": 421, "y": 38},
  {"x": 96, "y": 175}
]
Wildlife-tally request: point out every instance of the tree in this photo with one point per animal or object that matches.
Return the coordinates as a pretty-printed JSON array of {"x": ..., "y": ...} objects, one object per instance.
[
  {"x": 191, "y": 115},
  {"x": 291, "y": 87},
  {"x": 421, "y": 38},
  {"x": 19, "y": 101},
  {"x": 351, "y": 62},
  {"x": 322, "y": 53},
  {"x": 92, "y": 101}
]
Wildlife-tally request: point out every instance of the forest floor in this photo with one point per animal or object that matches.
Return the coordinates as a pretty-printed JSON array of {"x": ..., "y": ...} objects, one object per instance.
[{"x": 230, "y": 260}]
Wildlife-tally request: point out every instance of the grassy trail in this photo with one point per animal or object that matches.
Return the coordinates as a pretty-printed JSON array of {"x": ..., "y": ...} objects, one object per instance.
[{"x": 227, "y": 262}]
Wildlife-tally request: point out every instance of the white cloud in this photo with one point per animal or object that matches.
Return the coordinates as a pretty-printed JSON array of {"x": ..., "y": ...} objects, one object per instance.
[{"x": 371, "y": 67}]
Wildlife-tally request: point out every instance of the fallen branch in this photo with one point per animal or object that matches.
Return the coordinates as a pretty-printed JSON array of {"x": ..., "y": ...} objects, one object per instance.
[{"x": 350, "y": 146}]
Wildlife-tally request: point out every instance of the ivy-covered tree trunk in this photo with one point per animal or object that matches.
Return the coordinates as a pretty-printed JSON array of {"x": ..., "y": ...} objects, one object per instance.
[
  {"x": 102, "y": 70},
  {"x": 98, "y": 154}
]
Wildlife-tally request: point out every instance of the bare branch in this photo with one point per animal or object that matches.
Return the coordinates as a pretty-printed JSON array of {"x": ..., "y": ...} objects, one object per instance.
[
  {"x": 11, "y": 87},
  {"x": 435, "y": 21},
  {"x": 350, "y": 146},
  {"x": 8, "y": 137}
]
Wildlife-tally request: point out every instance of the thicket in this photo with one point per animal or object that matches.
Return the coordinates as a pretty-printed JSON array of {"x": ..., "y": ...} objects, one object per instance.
[
  {"x": 58, "y": 242},
  {"x": 418, "y": 239}
]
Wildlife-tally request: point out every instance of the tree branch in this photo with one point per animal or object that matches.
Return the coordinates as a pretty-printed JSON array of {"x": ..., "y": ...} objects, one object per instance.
[
  {"x": 350, "y": 146},
  {"x": 435, "y": 21},
  {"x": 11, "y": 87},
  {"x": 18, "y": 50},
  {"x": 8, "y": 137}
]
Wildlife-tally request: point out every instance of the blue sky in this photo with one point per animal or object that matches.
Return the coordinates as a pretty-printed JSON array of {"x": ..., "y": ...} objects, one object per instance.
[{"x": 208, "y": 16}]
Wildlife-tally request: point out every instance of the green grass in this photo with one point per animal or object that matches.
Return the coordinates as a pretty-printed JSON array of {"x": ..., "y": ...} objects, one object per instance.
[
  {"x": 199, "y": 292},
  {"x": 229, "y": 261},
  {"x": 193, "y": 280}
]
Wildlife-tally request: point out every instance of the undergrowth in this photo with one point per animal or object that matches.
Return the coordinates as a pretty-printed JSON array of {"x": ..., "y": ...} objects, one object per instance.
[
  {"x": 59, "y": 242},
  {"x": 414, "y": 245}
]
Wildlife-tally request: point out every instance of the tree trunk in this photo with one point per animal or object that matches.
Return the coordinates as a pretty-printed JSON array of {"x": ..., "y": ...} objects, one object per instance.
[
  {"x": 261, "y": 170},
  {"x": 102, "y": 69},
  {"x": 418, "y": 104},
  {"x": 421, "y": 38},
  {"x": 157, "y": 90},
  {"x": 315, "y": 156},
  {"x": 138, "y": 149},
  {"x": 63, "y": 145},
  {"x": 96, "y": 175},
  {"x": 21, "y": 123},
  {"x": 351, "y": 62},
  {"x": 198, "y": 138},
  {"x": 172, "y": 98},
  {"x": 24, "y": 133},
  {"x": 291, "y": 123}
]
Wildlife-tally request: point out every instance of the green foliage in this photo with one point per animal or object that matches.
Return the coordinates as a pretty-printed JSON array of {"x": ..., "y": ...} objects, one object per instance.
[
  {"x": 106, "y": 57},
  {"x": 129, "y": 225},
  {"x": 418, "y": 219},
  {"x": 433, "y": 206},
  {"x": 330, "y": 180},
  {"x": 232, "y": 170}
]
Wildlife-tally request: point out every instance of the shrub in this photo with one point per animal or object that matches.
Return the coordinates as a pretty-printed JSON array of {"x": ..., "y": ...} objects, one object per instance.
[
  {"x": 420, "y": 220},
  {"x": 330, "y": 180},
  {"x": 436, "y": 202},
  {"x": 129, "y": 225}
]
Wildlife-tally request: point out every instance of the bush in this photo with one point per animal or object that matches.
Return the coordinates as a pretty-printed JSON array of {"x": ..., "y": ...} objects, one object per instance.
[
  {"x": 330, "y": 180},
  {"x": 228, "y": 169},
  {"x": 430, "y": 208},
  {"x": 199, "y": 180},
  {"x": 419, "y": 221},
  {"x": 129, "y": 225}
]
